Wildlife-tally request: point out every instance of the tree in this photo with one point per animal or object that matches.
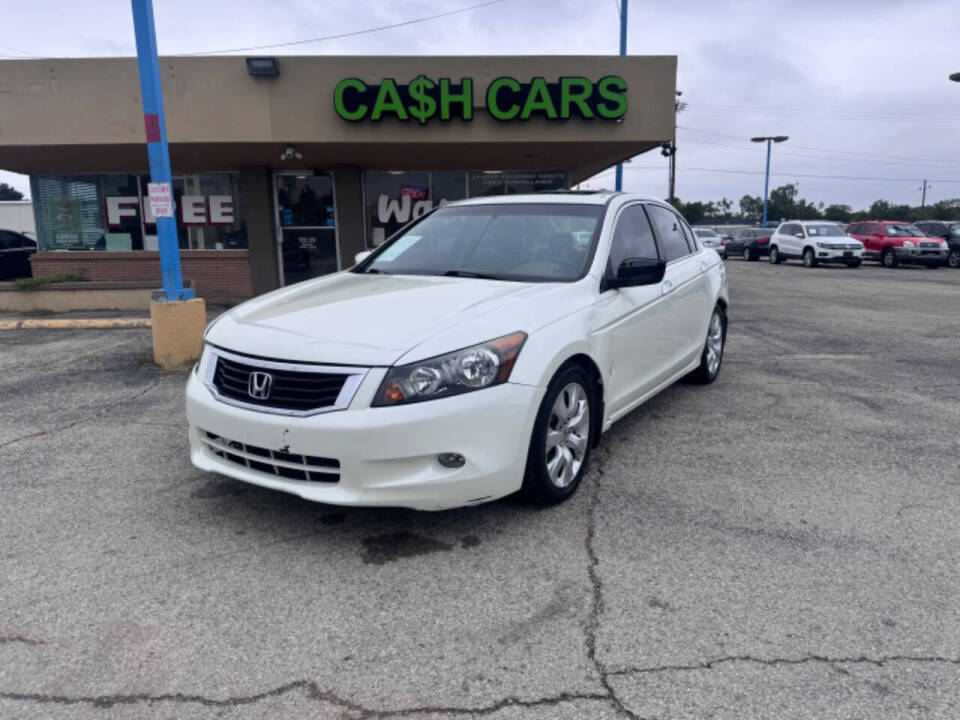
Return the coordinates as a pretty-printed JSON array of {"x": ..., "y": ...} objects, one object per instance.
[
  {"x": 751, "y": 207},
  {"x": 8, "y": 192},
  {"x": 840, "y": 213}
]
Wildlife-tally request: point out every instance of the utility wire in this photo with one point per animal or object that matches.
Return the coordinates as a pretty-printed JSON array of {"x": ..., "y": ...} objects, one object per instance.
[
  {"x": 883, "y": 156},
  {"x": 352, "y": 33},
  {"x": 795, "y": 175},
  {"x": 867, "y": 161},
  {"x": 822, "y": 114}
]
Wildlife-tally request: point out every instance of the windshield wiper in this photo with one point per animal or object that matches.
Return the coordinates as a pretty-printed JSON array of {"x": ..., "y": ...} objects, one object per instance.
[
  {"x": 469, "y": 274},
  {"x": 376, "y": 271}
]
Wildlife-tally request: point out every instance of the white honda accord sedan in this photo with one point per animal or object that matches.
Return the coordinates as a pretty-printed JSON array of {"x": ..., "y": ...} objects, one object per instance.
[{"x": 480, "y": 351}]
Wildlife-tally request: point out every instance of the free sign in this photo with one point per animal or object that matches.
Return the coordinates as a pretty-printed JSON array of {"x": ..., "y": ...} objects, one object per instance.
[{"x": 194, "y": 209}]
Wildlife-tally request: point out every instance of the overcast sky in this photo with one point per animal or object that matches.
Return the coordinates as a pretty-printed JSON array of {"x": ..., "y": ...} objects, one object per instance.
[{"x": 860, "y": 86}]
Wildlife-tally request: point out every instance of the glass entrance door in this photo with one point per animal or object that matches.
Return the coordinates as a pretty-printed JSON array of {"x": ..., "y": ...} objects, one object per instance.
[{"x": 306, "y": 226}]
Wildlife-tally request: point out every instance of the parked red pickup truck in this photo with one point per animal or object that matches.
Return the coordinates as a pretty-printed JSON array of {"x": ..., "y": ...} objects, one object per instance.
[{"x": 893, "y": 242}]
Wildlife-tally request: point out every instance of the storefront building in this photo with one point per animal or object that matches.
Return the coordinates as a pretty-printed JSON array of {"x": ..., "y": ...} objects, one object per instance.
[{"x": 283, "y": 176}]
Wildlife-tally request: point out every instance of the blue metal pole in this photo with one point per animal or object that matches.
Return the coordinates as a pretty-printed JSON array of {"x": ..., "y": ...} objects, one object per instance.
[
  {"x": 623, "y": 51},
  {"x": 766, "y": 184},
  {"x": 157, "y": 150}
]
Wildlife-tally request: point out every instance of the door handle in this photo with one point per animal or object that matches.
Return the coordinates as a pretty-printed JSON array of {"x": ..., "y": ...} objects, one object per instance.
[
  {"x": 666, "y": 287},
  {"x": 703, "y": 266}
]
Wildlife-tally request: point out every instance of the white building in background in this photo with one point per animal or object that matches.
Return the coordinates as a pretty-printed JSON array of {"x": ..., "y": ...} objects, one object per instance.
[{"x": 17, "y": 215}]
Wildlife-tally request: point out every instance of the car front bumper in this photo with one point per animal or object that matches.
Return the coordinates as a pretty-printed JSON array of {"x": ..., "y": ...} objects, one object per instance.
[
  {"x": 388, "y": 456},
  {"x": 836, "y": 255},
  {"x": 921, "y": 256}
]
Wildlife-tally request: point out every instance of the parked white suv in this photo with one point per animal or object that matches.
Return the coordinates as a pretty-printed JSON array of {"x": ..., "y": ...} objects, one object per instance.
[
  {"x": 814, "y": 242},
  {"x": 481, "y": 350}
]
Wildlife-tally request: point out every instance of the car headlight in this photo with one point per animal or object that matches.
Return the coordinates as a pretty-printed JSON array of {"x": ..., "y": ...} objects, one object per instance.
[
  {"x": 909, "y": 244},
  {"x": 944, "y": 245},
  {"x": 822, "y": 245},
  {"x": 461, "y": 371}
]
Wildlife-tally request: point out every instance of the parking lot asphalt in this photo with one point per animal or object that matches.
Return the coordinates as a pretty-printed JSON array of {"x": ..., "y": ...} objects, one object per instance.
[{"x": 782, "y": 543}]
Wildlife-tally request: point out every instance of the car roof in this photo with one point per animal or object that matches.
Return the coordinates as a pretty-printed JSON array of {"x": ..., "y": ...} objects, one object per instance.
[{"x": 565, "y": 197}]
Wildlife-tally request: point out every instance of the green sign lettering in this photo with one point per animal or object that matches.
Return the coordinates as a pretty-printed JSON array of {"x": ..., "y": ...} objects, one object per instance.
[
  {"x": 464, "y": 98},
  {"x": 538, "y": 100},
  {"x": 575, "y": 91},
  {"x": 359, "y": 110},
  {"x": 388, "y": 100},
  {"x": 493, "y": 98},
  {"x": 423, "y": 99},
  {"x": 613, "y": 89}
]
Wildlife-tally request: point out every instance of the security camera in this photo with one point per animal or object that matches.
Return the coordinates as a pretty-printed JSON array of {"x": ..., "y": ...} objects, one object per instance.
[{"x": 290, "y": 153}]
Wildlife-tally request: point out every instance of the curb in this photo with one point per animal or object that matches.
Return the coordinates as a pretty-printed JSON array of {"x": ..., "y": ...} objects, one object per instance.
[{"x": 75, "y": 324}]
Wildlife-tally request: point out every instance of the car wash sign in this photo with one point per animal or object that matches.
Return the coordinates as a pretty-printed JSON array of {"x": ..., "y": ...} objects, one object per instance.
[{"x": 422, "y": 99}]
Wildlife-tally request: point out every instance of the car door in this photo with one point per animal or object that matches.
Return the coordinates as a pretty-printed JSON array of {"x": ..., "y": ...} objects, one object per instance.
[
  {"x": 686, "y": 286},
  {"x": 630, "y": 320},
  {"x": 785, "y": 240},
  {"x": 873, "y": 239}
]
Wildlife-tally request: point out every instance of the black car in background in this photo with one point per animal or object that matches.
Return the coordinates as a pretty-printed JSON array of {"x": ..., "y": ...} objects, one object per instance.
[
  {"x": 949, "y": 230},
  {"x": 15, "y": 252},
  {"x": 751, "y": 243}
]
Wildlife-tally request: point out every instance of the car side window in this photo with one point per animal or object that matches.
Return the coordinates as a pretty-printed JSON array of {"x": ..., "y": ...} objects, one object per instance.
[
  {"x": 856, "y": 229},
  {"x": 5, "y": 238},
  {"x": 669, "y": 231},
  {"x": 688, "y": 234},
  {"x": 632, "y": 237}
]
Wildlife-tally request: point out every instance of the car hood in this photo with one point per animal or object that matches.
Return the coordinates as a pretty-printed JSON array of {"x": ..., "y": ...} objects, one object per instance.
[{"x": 359, "y": 319}]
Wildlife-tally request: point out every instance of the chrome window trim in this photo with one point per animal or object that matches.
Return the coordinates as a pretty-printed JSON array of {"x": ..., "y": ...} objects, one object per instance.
[{"x": 355, "y": 376}]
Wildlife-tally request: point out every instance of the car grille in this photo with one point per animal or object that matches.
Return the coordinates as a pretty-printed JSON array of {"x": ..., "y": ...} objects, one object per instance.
[
  {"x": 930, "y": 245},
  {"x": 280, "y": 387},
  {"x": 278, "y": 463}
]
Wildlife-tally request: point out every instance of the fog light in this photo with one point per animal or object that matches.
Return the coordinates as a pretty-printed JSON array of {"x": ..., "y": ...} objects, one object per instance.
[{"x": 451, "y": 460}]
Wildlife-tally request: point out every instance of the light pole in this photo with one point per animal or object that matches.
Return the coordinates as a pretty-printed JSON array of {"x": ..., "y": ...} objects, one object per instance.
[
  {"x": 766, "y": 180},
  {"x": 623, "y": 51}
]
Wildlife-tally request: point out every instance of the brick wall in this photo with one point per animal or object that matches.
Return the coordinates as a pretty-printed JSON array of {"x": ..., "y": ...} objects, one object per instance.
[{"x": 217, "y": 275}]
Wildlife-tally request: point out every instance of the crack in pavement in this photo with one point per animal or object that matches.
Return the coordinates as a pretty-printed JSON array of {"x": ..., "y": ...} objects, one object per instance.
[
  {"x": 4, "y": 639},
  {"x": 834, "y": 662},
  {"x": 88, "y": 418},
  {"x": 310, "y": 689},
  {"x": 596, "y": 606}
]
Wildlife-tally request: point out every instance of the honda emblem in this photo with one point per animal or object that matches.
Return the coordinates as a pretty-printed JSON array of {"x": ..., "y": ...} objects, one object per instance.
[{"x": 259, "y": 384}]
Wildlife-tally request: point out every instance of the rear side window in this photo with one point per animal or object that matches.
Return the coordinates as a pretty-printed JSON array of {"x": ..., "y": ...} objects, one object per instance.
[
  {"x": 632, "y": 237},
  {"x": 670, "y": 231},
  {"x": 5, "y": 240}
]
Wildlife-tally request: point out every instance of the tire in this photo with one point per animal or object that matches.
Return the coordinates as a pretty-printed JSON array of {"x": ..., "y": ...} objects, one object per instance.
[
  {"x": 748, "y": 256},
  {"x": 711, "y": 359},
  {"x": 546, "y": 480},
  {"x": 889, "y": 258},
  {"x": 953, "y": 259},
  {"x": 853, "y": 263},
  {"x": 809, "y": 260},
  {"x": 775, "y": 258}
]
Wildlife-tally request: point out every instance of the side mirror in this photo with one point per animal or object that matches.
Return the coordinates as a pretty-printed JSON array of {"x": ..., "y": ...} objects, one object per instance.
[
  {"x": 639, "y": 271},
  {"x": 361, "y": 256},
  {"x": 799, "y": 234}
]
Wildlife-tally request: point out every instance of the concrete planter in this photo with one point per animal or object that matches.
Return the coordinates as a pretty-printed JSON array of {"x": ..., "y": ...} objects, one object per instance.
[{"x": 67, "y": 297}]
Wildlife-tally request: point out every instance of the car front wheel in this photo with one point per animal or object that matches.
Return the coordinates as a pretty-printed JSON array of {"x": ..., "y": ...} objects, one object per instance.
[
  {"x": 889, "y": 258},
  {"x": 712, "y": 356},
  {"x": 560, "y": 444},
  {"x": 809, "y": 260},
  {"x": 953, "y": 259}
]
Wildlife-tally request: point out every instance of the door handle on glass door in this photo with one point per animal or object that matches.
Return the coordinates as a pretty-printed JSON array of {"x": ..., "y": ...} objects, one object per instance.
[{"x": 666, "y": 287}]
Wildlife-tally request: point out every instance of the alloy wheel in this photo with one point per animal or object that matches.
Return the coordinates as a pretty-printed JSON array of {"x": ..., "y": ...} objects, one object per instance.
[
  {"x": 714, "y": 343},
  {"x": 953, "y": 259},
  {"x": 568, "y": 434}
]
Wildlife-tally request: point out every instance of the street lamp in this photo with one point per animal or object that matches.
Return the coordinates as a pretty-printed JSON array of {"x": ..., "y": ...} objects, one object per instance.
[
  {"x": 622, "y": 8},
  {"x": 766, "y": 180}
]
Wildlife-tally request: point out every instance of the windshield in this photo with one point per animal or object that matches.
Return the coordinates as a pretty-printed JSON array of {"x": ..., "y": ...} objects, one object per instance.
[
  {"x": 824, "y": 231},
  {"x": 704, "y": 232},
  {"x": 537, "y": 242},
  {"x": 903, "y": 231}
]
